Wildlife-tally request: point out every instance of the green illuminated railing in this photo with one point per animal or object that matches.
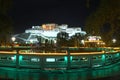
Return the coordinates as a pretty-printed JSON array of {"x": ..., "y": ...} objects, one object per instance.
[{"x": 69, "y": 59}]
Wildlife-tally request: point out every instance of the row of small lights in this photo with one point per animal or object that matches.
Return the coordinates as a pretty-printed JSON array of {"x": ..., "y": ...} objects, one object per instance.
[{"x": 113, "y": 40}]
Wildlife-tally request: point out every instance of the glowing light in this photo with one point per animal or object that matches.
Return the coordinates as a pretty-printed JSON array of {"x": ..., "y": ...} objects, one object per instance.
[
  {"x": 35, "y": 59},
  {"x": 94, "y": 38},
  {"x": 65, "y": 58},
  {"x": 71, "y": 58},
  {"x": 103, "y": 57},
  {"x": 20, "y": 58},
  {"x": 98, "y": 43},
  {"x": 13, "y": 57},
  {"x": 31, "y": 41},
  {"x": 82, "y": 41},
  {"x": 55, "y": 41},
  {"x": 117, "y": 54},
  {"x": 50, "y": 60},
  {"x": 13, "y": 39},
  {"x": 114, "y": 40}
]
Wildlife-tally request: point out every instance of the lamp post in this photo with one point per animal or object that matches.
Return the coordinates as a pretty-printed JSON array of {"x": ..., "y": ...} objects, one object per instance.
[
  {"x": 83, "y": 42},
  {"x": 13, "y": 40},
  {"x": 114, "y": 41}
]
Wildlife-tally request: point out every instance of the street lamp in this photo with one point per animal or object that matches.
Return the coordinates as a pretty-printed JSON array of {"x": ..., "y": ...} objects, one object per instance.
[
  {"x": 82, "y": 41},
  {"x": 13, "y": 40},
  {"x": 114, "y": 40}
]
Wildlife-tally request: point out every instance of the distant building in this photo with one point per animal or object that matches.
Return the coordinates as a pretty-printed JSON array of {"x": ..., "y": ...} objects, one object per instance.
[
  {"x": 94, "y": 41},
  {"x": 46, "y": 31}
]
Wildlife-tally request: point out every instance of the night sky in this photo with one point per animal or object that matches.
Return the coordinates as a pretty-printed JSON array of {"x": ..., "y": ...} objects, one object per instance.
[{"x": 27, "y": 13}]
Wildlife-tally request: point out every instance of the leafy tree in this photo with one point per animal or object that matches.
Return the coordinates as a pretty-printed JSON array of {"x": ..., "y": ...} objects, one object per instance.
[
  {"x": 5, "y": 21},
  {"x": 77, "y": 39},
  {"x": 62, "y": 39},
  {"x": 105, "y": 21}
]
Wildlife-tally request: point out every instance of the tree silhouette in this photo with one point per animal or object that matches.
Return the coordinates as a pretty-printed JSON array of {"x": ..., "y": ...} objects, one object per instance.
[
  {"x": 77, "y": 39},
  {"x": 62, "y": 39},
  {"x": 5, "y": 21},
  {"x": 105, "y": 21}
]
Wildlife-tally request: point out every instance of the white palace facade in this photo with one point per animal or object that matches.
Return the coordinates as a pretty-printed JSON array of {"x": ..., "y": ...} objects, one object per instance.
[{"x": 46, "y": 31}]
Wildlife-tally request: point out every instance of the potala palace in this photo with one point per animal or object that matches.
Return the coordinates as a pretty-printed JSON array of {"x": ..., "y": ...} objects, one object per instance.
[{"x": 46, "y": 31}]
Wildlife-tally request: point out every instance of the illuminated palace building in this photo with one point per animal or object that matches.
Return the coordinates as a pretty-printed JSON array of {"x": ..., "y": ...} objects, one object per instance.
[{"x": 47, "y": 32}]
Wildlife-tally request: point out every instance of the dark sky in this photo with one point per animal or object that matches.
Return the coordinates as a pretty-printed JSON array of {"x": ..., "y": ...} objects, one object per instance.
[{"x": 27, "y": 13}]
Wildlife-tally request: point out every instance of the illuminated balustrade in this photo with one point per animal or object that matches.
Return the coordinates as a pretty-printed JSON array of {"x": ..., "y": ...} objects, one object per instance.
[{"x": 66, "y": 60}]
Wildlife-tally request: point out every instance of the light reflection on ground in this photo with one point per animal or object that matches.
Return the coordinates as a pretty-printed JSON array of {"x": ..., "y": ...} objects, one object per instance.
[{"x": 83, "y": 74}]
